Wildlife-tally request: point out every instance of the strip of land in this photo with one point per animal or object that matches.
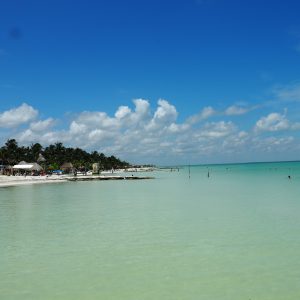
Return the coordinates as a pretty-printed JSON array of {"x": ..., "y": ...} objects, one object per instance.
[{"x": 6, "y": 181}]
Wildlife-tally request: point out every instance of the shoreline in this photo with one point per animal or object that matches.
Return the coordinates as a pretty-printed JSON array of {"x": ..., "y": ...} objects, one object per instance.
[{"x": 8, "y": 181}]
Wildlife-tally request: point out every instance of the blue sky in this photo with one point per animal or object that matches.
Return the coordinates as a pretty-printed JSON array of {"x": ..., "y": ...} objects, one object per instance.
[{"x": 216, "y": 80}]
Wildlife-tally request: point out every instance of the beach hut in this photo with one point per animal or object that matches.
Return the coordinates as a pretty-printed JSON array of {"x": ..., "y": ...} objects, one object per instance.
[
  {"x": 41, "y": 158},
  {"x": 27, "y": 166},
  {"x": 67, "y": 167}
]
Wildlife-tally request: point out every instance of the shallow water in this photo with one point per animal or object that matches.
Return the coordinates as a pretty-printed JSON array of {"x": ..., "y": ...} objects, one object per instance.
[{"x": 234, "y": 235}]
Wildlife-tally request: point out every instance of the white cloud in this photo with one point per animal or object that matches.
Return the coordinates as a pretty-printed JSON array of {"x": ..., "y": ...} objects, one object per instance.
[
  {"x": 208, "y": 112},
  {"x": 42, "y": 125},
  {"x": 275, "y": 122},
  {"x": 45, "y": 138},
  {"x": 273, "y": 144},
  {"x": 164, "y": 116},
  {"x": 140, "y": 115},
  {"x": 122, "y": 112},
  {"x": 217, "y": 130},
  {"x": 176, "y": 128},
  {"x": 77, "y": 128},
  {"x": 140, "y": 134},
  {"x": 97, "y": 119},
  {"x": 205, "y": 113},
  {"x": 97, "y": 134},
  {"x": 272, "y": 122},
  {"x": 235, "y": 110},
  {"x": 142, "y": 110},
  {"x": 165, "y": 112},
  {"x": 17, "y": 116},
  {"x": 26, "y": 135},
  {"x": 237, "y": 141}
]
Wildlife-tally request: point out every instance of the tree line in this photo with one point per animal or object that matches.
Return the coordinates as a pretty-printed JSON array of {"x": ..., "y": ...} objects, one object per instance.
[{"x": 54, "y": 155}]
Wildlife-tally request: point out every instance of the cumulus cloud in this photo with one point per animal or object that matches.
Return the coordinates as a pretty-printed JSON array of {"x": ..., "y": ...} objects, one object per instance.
[
  {"x": 164, "y": 115},
  {"x": 17, "y": 116},
  {"x": 165, "y": 111},
  {"x": 42, "y": 125},
  {"x": 140, "y": 115},
  {"x": 98, "y": 119},
  {"x": 77, "y": 128},
  {"x": 217, "y": 130},
  {"x": 272, "y": 122},
  {"x": 122, "y": 112},
  {"x": 176, "y": 128},
  {"x": 28, "y": 136},
  {"x": 38, "y": 131},
  {"x": 145, "y": 134}
]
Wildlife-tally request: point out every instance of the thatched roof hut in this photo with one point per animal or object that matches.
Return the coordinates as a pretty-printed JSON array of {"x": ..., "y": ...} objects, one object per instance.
[
  {"x": 41, "y": 158},
  {"x": 67, "y": 167},
  {"x": 27, "y": 166}
]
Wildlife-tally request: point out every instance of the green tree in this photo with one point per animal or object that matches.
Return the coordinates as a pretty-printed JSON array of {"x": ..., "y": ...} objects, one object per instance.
[
  {"x": 57, "y": 154},
  {"x": 35, "y": 150}
]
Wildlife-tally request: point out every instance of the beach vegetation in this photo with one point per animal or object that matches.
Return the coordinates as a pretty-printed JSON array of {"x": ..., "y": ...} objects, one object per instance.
[{"x": 55, "y": 155}]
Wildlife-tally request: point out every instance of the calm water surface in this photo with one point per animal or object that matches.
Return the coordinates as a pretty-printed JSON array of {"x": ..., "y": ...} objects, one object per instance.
[{"x": 234, "y": 235}]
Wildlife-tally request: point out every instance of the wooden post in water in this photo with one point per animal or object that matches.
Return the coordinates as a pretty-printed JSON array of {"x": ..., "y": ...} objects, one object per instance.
[{"x": 189, "y": 171}]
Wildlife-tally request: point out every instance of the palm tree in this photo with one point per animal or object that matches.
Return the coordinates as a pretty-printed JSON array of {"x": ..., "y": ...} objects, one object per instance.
[
  {"x": 35, "y": 151},
  {"x": 12, "y": 151},
  {"x": 56, "y": 155}
]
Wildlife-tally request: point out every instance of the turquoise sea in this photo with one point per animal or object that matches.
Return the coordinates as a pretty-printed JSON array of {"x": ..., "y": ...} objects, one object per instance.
[{"x": 232, "y": 236}]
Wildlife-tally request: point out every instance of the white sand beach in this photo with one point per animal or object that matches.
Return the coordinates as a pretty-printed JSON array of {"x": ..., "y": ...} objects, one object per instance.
[{"x": 6, "y": 181}]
